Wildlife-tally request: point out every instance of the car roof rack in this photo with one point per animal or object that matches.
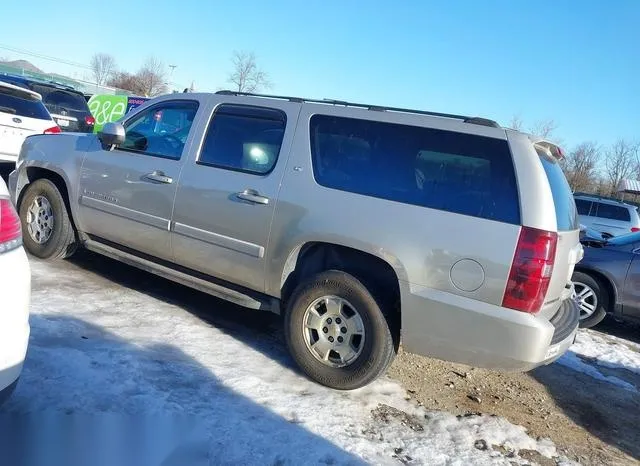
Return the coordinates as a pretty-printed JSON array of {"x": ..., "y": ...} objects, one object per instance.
[
  {"x": 600, "y": 197},
  {"x": 465, "y": 119}
]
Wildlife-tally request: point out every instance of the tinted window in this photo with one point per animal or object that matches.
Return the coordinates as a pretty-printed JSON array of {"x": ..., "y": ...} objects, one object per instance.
[
  {"x": 461, "y": 173},
  {"x": 244, "y": 138},
  {"x": 21, "y": 104},
  {"x": 583, "y": 206},
  {"x": 161, "y": 130},
  {"x": 613, "y": 212},
  {"x": 66, "y": 100},
  {"x": 566, "y": 213}
]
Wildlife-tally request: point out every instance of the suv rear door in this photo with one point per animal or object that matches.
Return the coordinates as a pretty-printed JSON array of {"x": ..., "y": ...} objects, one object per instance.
[
  {"x": 611, "y": 218},
  {"x": 68, "y": 108},
  {"x": 228, "y": 190},
  {"x": 21, "y": 114}
]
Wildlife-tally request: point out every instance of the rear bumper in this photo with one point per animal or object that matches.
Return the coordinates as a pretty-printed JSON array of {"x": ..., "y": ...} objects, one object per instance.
[
  {"x": 459, "y": 329},
  {"x": 8, "y": 157},
  {"x": 15, "y": 289}
]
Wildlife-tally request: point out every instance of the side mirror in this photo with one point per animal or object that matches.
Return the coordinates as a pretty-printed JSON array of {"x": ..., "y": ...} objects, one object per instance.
[{"x": 112, "y": 134}]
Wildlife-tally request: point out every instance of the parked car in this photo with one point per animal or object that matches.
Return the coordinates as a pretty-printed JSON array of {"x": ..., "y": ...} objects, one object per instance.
[
  {"x": 361, "y": 224},
  {"x": 67, "y": 106},
  {"x": 22, "y": 113},
  {"x": 606, "y": 279},
  {"x": 607, "y": 215},
  {"x": 15, "y": 291}
]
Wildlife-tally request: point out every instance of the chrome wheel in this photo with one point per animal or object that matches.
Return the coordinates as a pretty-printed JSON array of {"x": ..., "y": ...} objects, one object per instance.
[
  {"x": 40, "y": 220},
  {"x": 586, "y": 298},
  {"x": 333, "y": 331}
]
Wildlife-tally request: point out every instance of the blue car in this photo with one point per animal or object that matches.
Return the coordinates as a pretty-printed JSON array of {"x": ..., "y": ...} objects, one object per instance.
[{"x": 607, "y": 279}]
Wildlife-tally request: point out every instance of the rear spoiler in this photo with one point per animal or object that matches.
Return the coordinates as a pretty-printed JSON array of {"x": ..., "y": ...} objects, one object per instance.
[
  {"x": 549, "y": 147},
  {"x": 31, "y": 94}
]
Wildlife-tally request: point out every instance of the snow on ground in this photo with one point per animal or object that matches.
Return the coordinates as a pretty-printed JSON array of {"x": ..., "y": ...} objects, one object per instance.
[
  {"x": 98, "y": 348},
  {"x": 593, "y": 349}
]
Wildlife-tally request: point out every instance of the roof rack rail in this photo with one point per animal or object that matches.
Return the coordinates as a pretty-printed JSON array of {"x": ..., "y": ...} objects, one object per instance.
[
  {"x": 465, "y": 119},
  {"x": 599, "y": 196}
]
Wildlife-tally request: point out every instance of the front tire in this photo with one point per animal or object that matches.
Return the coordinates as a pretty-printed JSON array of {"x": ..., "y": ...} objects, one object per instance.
[
  {"x": 592, "y": 299},
  {"x": 336, "y": 331},
  {"x": 47, "y": 230}
]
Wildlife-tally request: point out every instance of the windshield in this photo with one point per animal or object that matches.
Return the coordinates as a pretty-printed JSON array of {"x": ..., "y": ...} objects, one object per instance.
[{"x": 623, "y": 240}]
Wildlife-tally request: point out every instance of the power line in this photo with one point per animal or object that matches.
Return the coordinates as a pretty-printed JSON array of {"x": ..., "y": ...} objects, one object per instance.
[{"x": 45, "y": 57}]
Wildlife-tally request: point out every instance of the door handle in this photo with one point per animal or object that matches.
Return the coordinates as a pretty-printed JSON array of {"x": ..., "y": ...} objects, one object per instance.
[
  {"x": 158, "y": 177},
  {"x": 253, "y": 196}
]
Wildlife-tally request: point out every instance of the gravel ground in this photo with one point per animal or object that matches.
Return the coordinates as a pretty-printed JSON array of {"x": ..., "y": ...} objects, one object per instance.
[{"x": 590, "y": 421}]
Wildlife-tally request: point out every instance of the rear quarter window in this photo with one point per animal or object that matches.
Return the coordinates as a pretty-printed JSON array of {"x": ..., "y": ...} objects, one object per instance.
[
  {"x": 613, "y": 212},
  {"x": 20, "y": 104},
  {"x": 583, "y": 206},
  {"x": 566, "y": 212},
  {"x": 454, "y": 172}
]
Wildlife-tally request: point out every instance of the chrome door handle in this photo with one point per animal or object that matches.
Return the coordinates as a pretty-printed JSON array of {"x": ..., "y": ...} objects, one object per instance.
[
  {"x": 252, "y": 195},
  {"x": 159, "y": 177}
]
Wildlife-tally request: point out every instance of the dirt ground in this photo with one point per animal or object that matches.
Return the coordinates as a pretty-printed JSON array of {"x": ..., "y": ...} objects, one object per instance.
[{"x": 590, "y": 421}]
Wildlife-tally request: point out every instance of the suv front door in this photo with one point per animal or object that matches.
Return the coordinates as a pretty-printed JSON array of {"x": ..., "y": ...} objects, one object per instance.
[
  {"x": 127, "y": 194},
  {"x": 227, "y": 195}
]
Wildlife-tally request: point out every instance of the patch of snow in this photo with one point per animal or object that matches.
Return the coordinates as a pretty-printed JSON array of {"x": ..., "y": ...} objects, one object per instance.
[
  {"x": 606, "y": 351},
  {"x": 103, "y": 350}
]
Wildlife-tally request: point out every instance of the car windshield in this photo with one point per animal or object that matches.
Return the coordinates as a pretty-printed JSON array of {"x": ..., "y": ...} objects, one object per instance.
[{"x": 623, "y": 240}]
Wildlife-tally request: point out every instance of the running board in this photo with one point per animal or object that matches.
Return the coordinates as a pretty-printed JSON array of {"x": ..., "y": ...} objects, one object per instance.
[{"x": 251, "y": 301}]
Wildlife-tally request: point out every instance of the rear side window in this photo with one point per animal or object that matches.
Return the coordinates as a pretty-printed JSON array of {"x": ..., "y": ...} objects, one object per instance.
[
  {"x": 566, "y": 213},
  {"x": 21, "y": 104},
  {"x": 583, "y": 206},
  {"x": 454, "y": 172},
  {"x": 244, "y": 138},
  {"x": 613, "y": 212}
]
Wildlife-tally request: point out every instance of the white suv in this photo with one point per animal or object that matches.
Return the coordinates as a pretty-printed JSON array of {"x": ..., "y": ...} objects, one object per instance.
[
  {"x": 609, "y": 216},
  {"x": 15, "y": 292},
  {"x": 22, "y": 114}
]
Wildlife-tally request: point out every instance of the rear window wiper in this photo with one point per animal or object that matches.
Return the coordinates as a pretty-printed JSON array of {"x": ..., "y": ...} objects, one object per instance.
[{"x": 8, "y": 110}]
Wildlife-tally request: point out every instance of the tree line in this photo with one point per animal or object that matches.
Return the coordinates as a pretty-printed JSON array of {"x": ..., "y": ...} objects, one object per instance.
[
  {"x": 151, "y": 79},
  {"x": 589, "y": 166}
]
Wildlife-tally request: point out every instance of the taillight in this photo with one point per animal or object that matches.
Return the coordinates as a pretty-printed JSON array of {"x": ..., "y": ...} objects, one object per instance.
[
  {"x": 90, "y": 120},
  {"x": 531, "y": 270},
  {"x": 10, "y": 232},
  {"x": 634, "y": 229},
  {"x": 53, "y": 130}
]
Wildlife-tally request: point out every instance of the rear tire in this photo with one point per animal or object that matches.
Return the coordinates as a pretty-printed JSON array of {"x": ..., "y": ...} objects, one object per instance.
[
  {"x": 336, "y": 331},
  {"x": 592, "y": 299},
  {"x": 47, "y": 230}
]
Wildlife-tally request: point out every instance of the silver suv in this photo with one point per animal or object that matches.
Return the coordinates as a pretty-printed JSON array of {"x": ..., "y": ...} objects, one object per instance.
[
  {"x": 364, "y": 226},
  {"x": 608, "y": 216}
]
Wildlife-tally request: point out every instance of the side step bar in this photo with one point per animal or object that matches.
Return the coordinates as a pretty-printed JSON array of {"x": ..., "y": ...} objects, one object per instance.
[{"x": 251, "y": 300}]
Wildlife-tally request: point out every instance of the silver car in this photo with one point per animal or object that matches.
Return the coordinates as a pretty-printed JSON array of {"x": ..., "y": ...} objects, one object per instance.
[
  {"x": 364, "y": 226},
  {"x": 608, "y": 216}
]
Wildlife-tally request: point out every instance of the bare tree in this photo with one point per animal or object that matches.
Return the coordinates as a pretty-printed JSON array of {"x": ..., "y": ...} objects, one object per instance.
[
  {"x": 516, "y": 123},
  {"x": 125, "y": 81},
  {"x": 544, "y": 129},
  {"x": 246, "y": 75},
  {"x": 103, "y": 66},
  {"x": 152, "y": 78},
  {"x": 580, "y": 167},
  {"x": 620, "y": 162}
]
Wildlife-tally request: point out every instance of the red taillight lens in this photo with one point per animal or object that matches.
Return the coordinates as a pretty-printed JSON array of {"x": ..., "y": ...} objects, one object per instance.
[
  {"x": 531, "y": 270},
  {"x": 10, "y": 232},
  {"x": 90, "y": 120},
  {"x": 634, "y": 229},
  {"x": 53, "y": 130}
]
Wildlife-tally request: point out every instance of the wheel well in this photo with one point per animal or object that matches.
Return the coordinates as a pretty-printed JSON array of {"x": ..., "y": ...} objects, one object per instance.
[
  {"x": 375, "y": 273},
  {"x": 606, "y": 284},
  {"x": 36, "y": 173}
]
